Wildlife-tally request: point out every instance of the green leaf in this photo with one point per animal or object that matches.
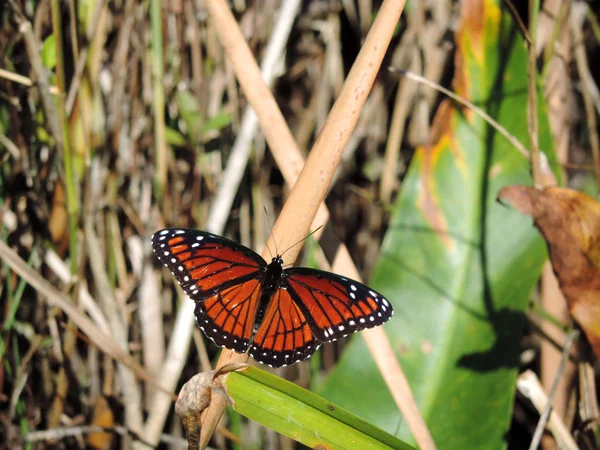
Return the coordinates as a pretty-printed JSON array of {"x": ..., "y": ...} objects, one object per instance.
[
  {"x": 302, "y": 415},
  {"x": 48, "y": 53},
  {"x": 191, "y": 115},
  {"x": 458, "y": 267},
  {"x": 217, "y": 122},
  {"x": 174, "y": 137}
]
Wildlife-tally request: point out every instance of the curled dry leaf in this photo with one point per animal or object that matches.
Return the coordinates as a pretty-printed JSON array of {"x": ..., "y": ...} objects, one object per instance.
[
  {"x": 103, "y": 417},
  {"x": 570, "y": 224}
]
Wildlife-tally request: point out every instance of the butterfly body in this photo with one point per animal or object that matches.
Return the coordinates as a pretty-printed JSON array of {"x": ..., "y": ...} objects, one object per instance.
[{"x": 279, "y": 316}]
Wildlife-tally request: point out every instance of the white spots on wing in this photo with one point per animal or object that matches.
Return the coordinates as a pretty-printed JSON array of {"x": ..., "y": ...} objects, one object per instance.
[
  {"x": 163, "y": 232},
  {"x": 352, "y": 295},
  {"x": 330, "y": 330},
  {"x": 286, "y": 356},
  {"x": 180, "y": 268},
  {"x": 385, "y": 302},
  {"x": 199, "y": 238},
  {"x": 351, "y": 323},
  {"x": 162, "y": 238},
  {"x": 372, "y": 319},
  {"x": 186, "y": 278},
  {"x": 373, "y": 294},
  {"x": 195, "y": 244},
  {"x": 264, "y": 354},
  {"x": 214, "y": 330},
  {"x": 353, "y": 287},
  {"x": 362, "y": 320},
  {"x": 166, "y": 253},
  {"x": 173, "y": 260},
  {"x": 179, "y": 232},
  {"x": 235, "y": 341},
  {"x": 326, "y": 333},
  {"x": 378, "y": 314},
  {"x": 383, "y": 308},
  {"x": 341, "y": 328},
  {"x": 274, "y": 356}
]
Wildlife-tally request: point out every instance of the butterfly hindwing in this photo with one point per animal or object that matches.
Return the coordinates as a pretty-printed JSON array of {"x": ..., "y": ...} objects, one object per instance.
[
  {"x": 228, "y": 316},
  {"x": 221, "y": 276},
  {"x": 284, "y": 335},
  {"x": 336, "y": 306}
]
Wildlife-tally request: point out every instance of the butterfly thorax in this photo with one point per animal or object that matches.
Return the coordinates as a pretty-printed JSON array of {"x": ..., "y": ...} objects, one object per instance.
[
  {"x": 270, "y": 283},
  {"x": 272, "y": 275}
]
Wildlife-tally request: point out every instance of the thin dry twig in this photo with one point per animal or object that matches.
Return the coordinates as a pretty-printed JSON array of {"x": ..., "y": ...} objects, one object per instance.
[
  {"x": 577, "y": 15},
  {"x": 532, "y": 102},
  {"x": 529, "y": 386},
  {"x": 17, "y": 78},
  {"x": 82, "y": 58},
  {"x": 499, "y": 128},
  {"x": 55, "y": 298},
  {"x": 33, "y": 52},
  {"x": 55, "y": 434},
  {"x": 537, "y": 436}
]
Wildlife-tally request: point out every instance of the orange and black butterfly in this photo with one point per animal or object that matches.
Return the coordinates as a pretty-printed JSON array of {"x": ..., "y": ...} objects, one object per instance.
[{"x": 279, "y": 316}]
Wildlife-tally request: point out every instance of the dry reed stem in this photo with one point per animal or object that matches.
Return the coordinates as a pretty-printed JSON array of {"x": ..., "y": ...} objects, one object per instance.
[
  {"x": 529, "y": 385},
  {"x": 545, "y": 413},
  {"x": 17, "y": 78},
  {"x": 557, "y": 86},
  {"x": 33, "y": 52},
  {"x": 308, "y": 193},
  {"x": 55, "y": 298},
  {"x": 577, "y": 16},
  {"x": 532, "y": 102},
  {"x": 219, "y": 212}
]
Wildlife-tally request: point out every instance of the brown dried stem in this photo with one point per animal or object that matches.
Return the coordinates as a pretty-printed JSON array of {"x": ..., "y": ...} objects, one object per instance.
[{"x": 308, "y": 193}]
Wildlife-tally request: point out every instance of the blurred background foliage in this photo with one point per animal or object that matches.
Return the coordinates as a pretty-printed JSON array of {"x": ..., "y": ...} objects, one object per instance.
[{"x": 118, "y": 118}]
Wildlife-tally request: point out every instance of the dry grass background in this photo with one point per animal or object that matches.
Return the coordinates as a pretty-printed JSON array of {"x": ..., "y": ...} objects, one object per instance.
[{"x": 152, "y": 114}]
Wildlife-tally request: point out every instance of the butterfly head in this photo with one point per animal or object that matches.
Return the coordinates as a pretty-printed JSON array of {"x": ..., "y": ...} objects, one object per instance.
[{"x": 277, "y": 260}]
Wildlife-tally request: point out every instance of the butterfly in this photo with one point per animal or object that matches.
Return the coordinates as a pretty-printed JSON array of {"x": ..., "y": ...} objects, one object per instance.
[{"x": 279, "y": 316}]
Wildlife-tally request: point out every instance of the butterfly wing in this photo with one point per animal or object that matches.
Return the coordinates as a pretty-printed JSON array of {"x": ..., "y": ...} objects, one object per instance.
[
  {"x": 221, "y": 276},
  {"x": 335, "y": 306},
  {"x": 284, "y": 335},
  {"x": 310, "y": 307}
]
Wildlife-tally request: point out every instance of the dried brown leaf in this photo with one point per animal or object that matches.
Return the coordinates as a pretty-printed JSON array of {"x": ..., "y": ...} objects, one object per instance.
[{"x": 570, "y": 224}]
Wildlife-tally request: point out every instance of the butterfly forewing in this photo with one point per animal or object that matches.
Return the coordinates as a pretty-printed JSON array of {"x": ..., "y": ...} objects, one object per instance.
[
  {"x": 336, "y": 306},
  {"x": 221, "y": 276}
]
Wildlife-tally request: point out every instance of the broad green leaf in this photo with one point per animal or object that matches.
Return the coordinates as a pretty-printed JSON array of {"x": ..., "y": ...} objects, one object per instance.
[
  {"x": 458, "y": 267},
  {"x": 302, "y": 415}
]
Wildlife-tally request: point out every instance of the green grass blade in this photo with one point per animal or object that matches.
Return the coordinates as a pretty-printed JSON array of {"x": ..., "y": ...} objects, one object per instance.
[{"x": 301, "y": 415}]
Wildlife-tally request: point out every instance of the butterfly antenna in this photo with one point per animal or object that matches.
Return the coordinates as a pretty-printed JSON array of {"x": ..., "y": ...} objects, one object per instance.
[
  {"x": 303, "y": 239},
  {"x": 272, "y": 235}
]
